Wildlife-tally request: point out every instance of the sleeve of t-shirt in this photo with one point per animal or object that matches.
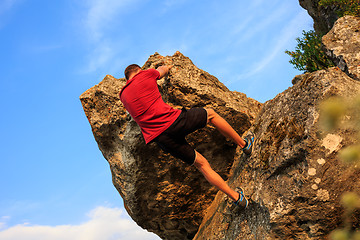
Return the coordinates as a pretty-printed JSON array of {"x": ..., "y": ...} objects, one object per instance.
[{"x": 154, "y": 73}]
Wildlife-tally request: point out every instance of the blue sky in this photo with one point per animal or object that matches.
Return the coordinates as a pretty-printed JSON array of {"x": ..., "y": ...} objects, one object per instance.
[{"x": 55, "y": 184}]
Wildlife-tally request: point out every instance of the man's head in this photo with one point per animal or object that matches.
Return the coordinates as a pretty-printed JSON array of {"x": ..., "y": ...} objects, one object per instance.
[{"x": 131, "y": 70}]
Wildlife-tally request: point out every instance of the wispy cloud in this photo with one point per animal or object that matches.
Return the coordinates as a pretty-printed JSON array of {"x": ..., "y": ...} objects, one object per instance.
[
  {"x": 287, "y": 34},
  {"x": 259, "y": 25},
  {"x": 170, "y": 4},
  {"x": 100, "y": 14},
  {"x": 6, "y": 5},
  {"x": 104, "y": 224},
  {"x": 3, "y": 221},
  {"x": 100, "y": 55},
  {"x": 100, "y": 18}
]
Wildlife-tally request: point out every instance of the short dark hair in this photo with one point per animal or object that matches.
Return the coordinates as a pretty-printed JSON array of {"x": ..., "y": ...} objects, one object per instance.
[{"x": 130, "y": 69}]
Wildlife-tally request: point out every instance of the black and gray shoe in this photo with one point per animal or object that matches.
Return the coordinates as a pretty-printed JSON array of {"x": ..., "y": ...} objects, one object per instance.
[
  {"x": 249, "y": 139},
  {"x": 242, "y": 202}
]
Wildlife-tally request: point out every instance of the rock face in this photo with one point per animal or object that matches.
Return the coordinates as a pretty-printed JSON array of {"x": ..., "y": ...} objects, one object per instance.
[
  {"x": 324, "y": 17},
  {"x": 293, "y": 178},
  {"x": 343, "y": 45},
  {"x": 162, "y": 194}
]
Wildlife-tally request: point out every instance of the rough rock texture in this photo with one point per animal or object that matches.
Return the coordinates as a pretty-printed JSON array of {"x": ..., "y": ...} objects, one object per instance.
[
  {"x": 324, "y": 17},
  {"x": 160, "y": 193},
  {"x": 293, "y": 177},
  {"x": 343, "y": 45}
]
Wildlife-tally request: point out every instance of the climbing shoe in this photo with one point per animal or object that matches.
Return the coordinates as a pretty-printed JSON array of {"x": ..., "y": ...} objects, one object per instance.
[
  {"x": 249, "y": 139},
  {"x": 242, "y": 202}
]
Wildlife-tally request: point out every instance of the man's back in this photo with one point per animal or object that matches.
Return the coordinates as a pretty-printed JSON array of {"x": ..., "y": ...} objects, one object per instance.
[{"x": 142, "y": 99}]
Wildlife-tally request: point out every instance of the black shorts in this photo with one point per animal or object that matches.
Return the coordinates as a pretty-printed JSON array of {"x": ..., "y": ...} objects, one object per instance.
[{"x": 172, "y": 140}]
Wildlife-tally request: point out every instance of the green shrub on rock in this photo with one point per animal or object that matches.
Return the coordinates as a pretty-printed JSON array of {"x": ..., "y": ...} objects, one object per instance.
[
  {"x": 308, "y": 55},
  {"x": 345, "y": 7}
]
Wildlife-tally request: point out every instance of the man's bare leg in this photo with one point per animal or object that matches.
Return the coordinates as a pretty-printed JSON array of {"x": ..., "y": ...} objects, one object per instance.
[
  {"x": 214, "y": 178},
  {"x": 203, "y": 165},
  {"x": 224, "y": 127}
]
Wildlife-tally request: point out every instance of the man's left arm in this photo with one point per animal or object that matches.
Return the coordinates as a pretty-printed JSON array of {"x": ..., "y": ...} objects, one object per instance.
[{"x": 163, "y": 70}]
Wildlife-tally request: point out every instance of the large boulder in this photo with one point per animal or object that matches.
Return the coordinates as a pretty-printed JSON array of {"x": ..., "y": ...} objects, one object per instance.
[
  {"x": 342, "y": 45},
  {"x": 294, "y": 177},
  {"x": 324, "y": 17},
  {"x": 162, "y": 194}
]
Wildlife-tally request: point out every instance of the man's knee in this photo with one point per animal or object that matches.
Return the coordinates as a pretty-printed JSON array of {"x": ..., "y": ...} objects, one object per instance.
[{"x": 200, "y": 161}]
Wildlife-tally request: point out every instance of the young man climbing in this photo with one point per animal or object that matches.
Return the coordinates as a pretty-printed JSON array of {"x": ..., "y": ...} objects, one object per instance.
[{"x": 168, "y": 127}]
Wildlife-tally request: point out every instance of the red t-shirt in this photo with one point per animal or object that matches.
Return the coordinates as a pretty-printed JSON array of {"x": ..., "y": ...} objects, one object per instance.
[{"x": 141, "y": 98}]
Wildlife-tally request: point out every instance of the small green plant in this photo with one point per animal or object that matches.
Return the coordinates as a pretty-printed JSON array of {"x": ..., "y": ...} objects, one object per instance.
[
  {"x": 308, "y": 55},
  {"x": 345, "y": 7}
]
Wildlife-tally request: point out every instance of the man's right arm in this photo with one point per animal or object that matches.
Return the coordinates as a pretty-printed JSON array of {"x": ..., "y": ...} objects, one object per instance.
[{"x": 163, "y": 70}]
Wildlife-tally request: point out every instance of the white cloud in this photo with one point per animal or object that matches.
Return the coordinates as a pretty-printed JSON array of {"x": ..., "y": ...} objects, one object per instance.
[
  {"x": 170, "y": 4},
  {"x": 3, "y": 220},
  {"x": 104, "y": 224},
  {"x": 99, "y": 20},
  {"x": 259, "y": 26},
  {"x": 100, "y": 14},
  {"x": 6, "y": 5},
  {"x": 101, "y": 54},
  {"x": 287, "y": 34}
]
